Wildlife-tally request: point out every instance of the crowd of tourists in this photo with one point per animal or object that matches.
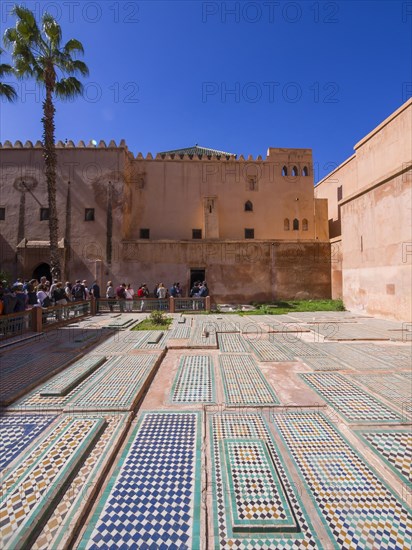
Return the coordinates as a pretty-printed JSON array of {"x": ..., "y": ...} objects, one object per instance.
[{"x": 22, "y": 295}]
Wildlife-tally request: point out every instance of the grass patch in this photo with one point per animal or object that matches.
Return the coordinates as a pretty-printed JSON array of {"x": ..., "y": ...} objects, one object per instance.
[
  {"x": 157, "y": 320},
  {"x": 147, "y": 324},
  {"x": 279, "y": 308}
]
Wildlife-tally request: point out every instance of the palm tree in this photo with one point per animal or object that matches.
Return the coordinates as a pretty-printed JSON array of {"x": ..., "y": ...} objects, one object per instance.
[
  {"x": 37, "y": 53},
  {"x": 6, "y": 90}
]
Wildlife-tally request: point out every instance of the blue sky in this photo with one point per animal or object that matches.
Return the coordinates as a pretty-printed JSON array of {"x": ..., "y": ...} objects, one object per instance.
[{"x": 237, "y": 76}]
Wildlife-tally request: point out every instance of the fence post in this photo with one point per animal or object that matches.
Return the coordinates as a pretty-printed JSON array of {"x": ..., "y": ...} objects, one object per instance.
[
  {"x": 36, "y": 319},
  {"x": 207, "y": 305},
  {"x": 171, "y": 304}
]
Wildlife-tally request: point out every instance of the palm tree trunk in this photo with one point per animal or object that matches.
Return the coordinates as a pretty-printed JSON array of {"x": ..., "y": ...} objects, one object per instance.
[{"x": 50, "y": 159}]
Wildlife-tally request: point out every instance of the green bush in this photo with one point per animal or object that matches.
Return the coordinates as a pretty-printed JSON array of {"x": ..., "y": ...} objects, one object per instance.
[{"x": 158, "y": 317}]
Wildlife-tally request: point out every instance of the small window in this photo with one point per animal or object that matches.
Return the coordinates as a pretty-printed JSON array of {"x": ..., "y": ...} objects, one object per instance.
[
  {"x": 249, "y": 233},
  {"x": 89, "y": 214},
  {"x": 286, "y": 224},
  {"x": 304, "y": 224},
  {"x": 305, "y": 171},
  {"x": 295, "y": 224},
  {"x": 2, "y": 214},
  {"x": 44, "y": 214},
  {"x": 284, "y": 171},
  {"x": 196, "y": 233},
  {"x": 145, "y": 233},
  {"x": 294, "y": 171},
  {"x": 340, "y": 193},
  {"x": 248, "y": 206}
]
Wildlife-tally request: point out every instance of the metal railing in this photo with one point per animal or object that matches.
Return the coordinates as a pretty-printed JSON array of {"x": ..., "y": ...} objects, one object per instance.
[
  {"x": 105, "y": 305},
  {"x": 15, "y": 324},
  {"x": 64, "y": 314},
  {"x": 190, "y": 304}
]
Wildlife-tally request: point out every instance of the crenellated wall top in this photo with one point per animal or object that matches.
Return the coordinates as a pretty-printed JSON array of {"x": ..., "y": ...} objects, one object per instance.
[{"x": 93, "y": 144}]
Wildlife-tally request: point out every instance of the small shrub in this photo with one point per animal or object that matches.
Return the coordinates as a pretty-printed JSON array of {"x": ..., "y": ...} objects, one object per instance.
[{"x": 158, "y": 317}]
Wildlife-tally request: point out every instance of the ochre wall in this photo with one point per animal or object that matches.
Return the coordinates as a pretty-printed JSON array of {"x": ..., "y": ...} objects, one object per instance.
[
  {"x": 375, "y": 220},
  {"x": 170, "y": 197}
]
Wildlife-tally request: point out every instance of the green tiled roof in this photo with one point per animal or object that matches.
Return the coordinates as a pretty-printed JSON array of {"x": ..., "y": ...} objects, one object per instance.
[{"x": 198, "y": 150}]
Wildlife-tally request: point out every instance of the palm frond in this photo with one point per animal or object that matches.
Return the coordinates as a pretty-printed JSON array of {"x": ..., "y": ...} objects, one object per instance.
[
  {"x": 6, "y": 70},
  {"x": 67, "y": 88},
  {"x": 52, "y": 30},
  {"x": 72, "y": 46},
  {"x": 7, "y": 91}
]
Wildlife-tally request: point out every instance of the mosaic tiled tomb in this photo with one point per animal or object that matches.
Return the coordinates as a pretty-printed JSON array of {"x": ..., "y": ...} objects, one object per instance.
[
  {"x": 194, "y": 382},
  {"x": 59, "y": 529},
  {"x": 268, "y": 351},
  {"x": 32, "y": 487},
  {"x": 353, "y": 356},
  {"x": 153, "y": 498},
  {"x": 118, "y": 344},
  {"x": 118, "y": 387},
  {"x": 293, "y": 345},
  {"x": 256, "y": 500},
  {"x": 394, "y": 447},
  {"x": 215, "y": 324},
  {"x": 324, "y": 363},
  {"x": 243, "y": 381},
  {"x": 358, "y": 509},
  {"x": 201, "y": 337},
  {"x": 347, "y": 331},
  {"x": 20, "y": 373},
  {"x": 115, "y": 385},
  {"x": 389, "y": 386},
  {"x": 62, "y": 385},
  {"x": 232, "y": 343},
  {"x": 17, "y": 432},
  {"x": 180, "y": 332},
  {"x": 255, "y": 505},
  {"x": 349, "y": 400},
  {"x": 384, "y": 357},
  {"x": 149, "y": 340}
]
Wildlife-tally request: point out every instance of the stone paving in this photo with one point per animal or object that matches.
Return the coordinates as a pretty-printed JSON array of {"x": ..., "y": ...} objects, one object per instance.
[{"x": 224, "y": 432}]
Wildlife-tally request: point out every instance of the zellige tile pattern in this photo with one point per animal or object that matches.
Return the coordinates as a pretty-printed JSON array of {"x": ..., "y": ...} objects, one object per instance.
[
  {"x": 17, "y": 432},
  {"x": 268, "y": 480},
  {"x": 153, "y": 498},
  {"x": 355, "y": 404},
  {"x": 26, "y": 492},
  {"x": 394, "y": 447},
  {"x": 243, "y": 381},
  {"x": 356, "y": 506},
  {"x": 194, "y": 382}
]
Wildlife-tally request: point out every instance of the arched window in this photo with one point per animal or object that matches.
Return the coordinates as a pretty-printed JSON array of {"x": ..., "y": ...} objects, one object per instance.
[
  {"x": 295, "y": 224},
  {"x": 294, "y": 171},
  {"x": 286, "y": 225},
  {"x": 284, "y": 171},
  {"x": 305, "y": 171},
  {"x": 248, "y": 206},
  {"x": 304, "y": 224}
]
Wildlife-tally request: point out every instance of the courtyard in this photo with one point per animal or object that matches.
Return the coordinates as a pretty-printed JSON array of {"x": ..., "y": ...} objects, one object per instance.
[{"x": 221, "y": 431}]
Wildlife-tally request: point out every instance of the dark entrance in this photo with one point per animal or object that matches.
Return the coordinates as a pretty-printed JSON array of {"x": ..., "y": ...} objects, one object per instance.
[
  {"x": 42, "y": 270},
  {"x": 196, "y": 275}
]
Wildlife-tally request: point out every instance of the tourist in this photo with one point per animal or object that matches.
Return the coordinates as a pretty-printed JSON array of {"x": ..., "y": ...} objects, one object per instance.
[
  {"x": 78, "y": 292},
  {"x": 121, "y": 296},
  {"x": 59, "y": 298},
  {"x": 43, "y": 298},
  {"x": 68, "y": 289},
  {"x": 31, "y": 292},
  {"x": 110, "y": 294},
  {"x": 95, "y": 293},
  {"x": 129, "y": 297}
]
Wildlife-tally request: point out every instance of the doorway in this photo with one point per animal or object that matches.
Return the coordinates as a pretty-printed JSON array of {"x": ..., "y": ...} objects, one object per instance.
[
  {"x": 42, "y": 270},
  {"x": 196, "y": 275}
]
